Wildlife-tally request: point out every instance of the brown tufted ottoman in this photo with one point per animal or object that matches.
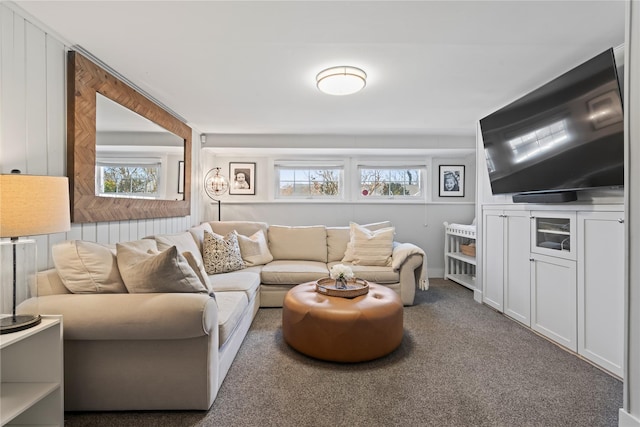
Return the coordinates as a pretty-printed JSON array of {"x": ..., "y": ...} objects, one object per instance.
[{"x": 341, "y": 329}]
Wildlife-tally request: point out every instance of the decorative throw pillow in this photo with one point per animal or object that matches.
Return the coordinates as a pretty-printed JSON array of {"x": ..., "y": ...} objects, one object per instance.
[
  {"x": 166, "y": 271},
  {"x": 370, "y": 247},
  {"x": 198, "y": 268},
  {"x": 87, "y": 267},
  {"x": 254, "y": 249},
  {"x": 221, "y": 254}
]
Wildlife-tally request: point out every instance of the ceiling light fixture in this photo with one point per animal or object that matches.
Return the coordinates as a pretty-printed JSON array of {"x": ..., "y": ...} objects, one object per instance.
[{"x": 343, "y": 80}]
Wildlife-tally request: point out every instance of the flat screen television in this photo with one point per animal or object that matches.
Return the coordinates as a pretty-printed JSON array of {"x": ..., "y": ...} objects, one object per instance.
[{"x": 566, "y": 135}]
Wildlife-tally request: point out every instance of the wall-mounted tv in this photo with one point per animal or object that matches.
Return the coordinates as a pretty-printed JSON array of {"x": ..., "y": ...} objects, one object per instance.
[{"x": 566, "y": 135}]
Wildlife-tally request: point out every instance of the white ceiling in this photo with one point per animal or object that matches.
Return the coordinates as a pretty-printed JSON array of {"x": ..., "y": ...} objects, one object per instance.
[{"x": 248, "y": 67}]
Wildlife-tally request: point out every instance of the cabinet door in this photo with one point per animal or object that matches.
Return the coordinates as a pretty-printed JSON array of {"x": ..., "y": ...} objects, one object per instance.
[
  {"x": 553, "y": 299},
  {"x": 553, "y": 233},
  {"x": 517, "y": 289},
  {"x": 493, "y": 250},
  {"x": 601, "y": 289}
]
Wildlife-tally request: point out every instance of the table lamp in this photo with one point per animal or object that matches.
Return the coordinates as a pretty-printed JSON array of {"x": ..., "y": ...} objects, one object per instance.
[{"x": 30, "y": 205}]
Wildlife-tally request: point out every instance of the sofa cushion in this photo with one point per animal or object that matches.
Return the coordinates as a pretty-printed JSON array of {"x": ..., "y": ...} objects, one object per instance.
[
  {"x": 87, "y": 267},
  {"x": 198, "y": 234},
  {"x": 221, "y": 254},
  {"x": 231, "y": 306},
  {"x": 372, "y": 273},
  {"x": 187, "y": 246},
  {"x": 246, "y": 228},
  {"x": 183, "y": 241},
  {"x": 292, "y": 272},
  {"x": 298, "y": 243},
  {"x": 244, "y": 281},
  {"x": 338, "y": 239},
  {"x": 254, "y": 249},
  {"x": 166, "y": 271},
  {"x": 368, "y": 247}
]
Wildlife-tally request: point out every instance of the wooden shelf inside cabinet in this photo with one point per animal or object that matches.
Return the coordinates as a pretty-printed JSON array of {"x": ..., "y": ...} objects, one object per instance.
[
  {"x": 31, "y": 375},
  {"x": 459, "y": 267}
]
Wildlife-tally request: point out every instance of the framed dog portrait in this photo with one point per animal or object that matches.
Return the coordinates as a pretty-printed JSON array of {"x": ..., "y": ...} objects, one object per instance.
[
  {"x": 242, "y": 178},
  {"x": 451, "y": 181}
]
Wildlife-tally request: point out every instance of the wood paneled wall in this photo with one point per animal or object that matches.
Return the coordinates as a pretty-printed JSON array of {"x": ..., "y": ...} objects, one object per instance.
[{"x": 33, "y": 132}]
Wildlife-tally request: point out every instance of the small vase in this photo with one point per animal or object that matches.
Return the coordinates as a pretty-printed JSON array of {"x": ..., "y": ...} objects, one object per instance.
[{"x": 341, "y": 283}]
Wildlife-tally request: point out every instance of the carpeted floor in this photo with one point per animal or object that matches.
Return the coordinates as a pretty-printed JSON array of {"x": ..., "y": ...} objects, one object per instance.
[{"x": 460, "y": 364}]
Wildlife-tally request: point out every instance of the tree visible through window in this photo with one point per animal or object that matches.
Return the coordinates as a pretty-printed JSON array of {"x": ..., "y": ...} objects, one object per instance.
[
  {"x": 125, "y": 180},
  {"x": 309, "y": 182},
  {"x": 386, "y": 182}
]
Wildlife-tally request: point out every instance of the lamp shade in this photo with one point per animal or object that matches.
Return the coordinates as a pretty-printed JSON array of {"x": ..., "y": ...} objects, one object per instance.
[
  {"x": 31, "y": 205},
  {"x": 342, "y": 80}
]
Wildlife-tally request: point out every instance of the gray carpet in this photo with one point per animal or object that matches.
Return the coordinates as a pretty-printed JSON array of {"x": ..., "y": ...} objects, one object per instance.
[{"x": 460, "y": 364}]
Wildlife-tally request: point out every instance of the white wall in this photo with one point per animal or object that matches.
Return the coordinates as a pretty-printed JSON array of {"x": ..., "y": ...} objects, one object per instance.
[
  {"x": 630, "y": 413},
  {"x": 33, "y": 130},
  {"x": 416, "y": 222}
]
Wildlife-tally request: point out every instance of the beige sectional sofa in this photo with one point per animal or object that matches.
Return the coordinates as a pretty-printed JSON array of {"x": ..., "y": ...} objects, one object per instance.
[{"x": 158, "y": 349}]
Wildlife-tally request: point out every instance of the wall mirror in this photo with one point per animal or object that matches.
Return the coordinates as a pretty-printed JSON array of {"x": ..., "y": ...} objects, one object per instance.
[{"x": 127, "y": 158}]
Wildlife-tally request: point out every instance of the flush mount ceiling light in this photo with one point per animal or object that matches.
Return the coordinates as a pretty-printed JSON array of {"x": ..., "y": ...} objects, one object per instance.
[{"x": 343, "y": 80}]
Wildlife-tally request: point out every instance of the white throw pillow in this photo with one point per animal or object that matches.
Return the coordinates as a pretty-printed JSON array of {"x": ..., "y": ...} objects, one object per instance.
[
  {"x": 166, "y": 271},
  {"x": 87, "y": 267},
  {"x": 221, "y": 254},
  {"x": 254, "y": 249},
  {"x": 369, "y": 247}
]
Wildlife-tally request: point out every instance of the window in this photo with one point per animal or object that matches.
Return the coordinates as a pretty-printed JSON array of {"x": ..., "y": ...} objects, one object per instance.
[
  {"x": 391, "y": 182},
  {"x": 127, "y": 180},
  {"x": 297, "y": 180}
]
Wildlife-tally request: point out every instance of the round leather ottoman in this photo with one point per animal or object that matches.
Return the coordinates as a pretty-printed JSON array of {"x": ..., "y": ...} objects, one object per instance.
[{"x": 342, "y": 329}]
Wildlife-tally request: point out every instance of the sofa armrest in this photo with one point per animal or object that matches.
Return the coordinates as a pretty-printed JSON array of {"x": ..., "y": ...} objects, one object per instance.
[{"x": 130, "y": 316}]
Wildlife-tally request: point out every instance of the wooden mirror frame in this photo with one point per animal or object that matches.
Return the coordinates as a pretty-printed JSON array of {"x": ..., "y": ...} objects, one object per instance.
[{"x": 84, "y": 80}]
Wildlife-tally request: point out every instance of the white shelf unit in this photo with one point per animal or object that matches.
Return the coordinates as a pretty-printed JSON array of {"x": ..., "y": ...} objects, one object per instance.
[
  {"x": 459, "y": 267},
  {"x": 31, "y": 375}
]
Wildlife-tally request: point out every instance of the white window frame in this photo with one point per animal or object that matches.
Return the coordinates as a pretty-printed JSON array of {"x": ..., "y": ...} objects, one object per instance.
[
  {"x": 409, "y": 164},
  {"x": 136, "y": 162},
  {"x": 309, "y": 165}
]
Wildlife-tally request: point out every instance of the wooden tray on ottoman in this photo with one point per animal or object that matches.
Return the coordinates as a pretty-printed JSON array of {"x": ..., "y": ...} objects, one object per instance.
[{"x": 355, "y": 288}]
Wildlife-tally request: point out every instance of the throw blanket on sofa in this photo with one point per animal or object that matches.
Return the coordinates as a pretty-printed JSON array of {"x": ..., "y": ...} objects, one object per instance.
[{"x": 401, "y": 251}]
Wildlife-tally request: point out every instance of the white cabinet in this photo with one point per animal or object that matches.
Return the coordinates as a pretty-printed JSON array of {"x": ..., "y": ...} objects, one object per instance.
[
  {"x": 458, "y": 265},
  {"x": 506, "y": 272},
  {"x": 553, "y": 233},
  {"x": 553, "y": 299},
  {"x": 601, "y": 288},
  {"x": 560, "y": 272},
  {"x": 31, "y": 375}
]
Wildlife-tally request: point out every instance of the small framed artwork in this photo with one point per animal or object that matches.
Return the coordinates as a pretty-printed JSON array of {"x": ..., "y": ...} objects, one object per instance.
[
  {"x": 451, "y": 181},
  {"x": 181, "y": 177},
  {"x": 242, "y": 178}
]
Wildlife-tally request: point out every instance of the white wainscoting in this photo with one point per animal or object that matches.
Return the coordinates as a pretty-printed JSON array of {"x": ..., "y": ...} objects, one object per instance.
[{"x": 33, "y": 127}]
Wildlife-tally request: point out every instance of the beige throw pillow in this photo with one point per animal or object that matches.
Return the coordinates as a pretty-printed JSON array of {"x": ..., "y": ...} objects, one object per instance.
[
  {"x": 87, "y": 267},
  {"x": 338, "y": 239},
  {"x": 254, "y": 249},
  {"x": 221, "y": 254},
  {"x": 166, "y": 271},
  {"x": 367, "y": 247}
]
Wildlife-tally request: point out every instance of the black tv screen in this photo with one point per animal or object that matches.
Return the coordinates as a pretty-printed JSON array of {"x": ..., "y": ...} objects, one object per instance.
[{"x": 566, "y": 135}]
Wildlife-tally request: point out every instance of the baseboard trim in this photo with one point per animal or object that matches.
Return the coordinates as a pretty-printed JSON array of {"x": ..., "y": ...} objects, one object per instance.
[
  {"x": 477, "y": 295},
  {"x": 625, "y": 419}
]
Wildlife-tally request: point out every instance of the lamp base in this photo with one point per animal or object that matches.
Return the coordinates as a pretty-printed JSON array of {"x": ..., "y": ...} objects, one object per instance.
[{"x": 18, "y": 323}]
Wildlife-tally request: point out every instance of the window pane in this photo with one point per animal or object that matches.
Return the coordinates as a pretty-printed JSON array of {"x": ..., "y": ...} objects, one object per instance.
[
  {"x": 123, "y": 181},
  {"x": 387, "y": 182},
  {"x": 309, "y": 182}
]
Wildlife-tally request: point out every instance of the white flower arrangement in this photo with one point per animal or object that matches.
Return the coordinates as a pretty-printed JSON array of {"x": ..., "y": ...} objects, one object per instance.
[{"x": 341, "y": 271}]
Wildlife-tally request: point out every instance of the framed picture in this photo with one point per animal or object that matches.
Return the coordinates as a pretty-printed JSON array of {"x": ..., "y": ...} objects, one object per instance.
[
  {"x": 242, "y": 178},
  {"x": 451, "y": 181},
  {"x": 181, "y": 177}
]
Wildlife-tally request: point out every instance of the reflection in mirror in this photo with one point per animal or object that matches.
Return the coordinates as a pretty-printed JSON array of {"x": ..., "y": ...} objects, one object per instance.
[{"x": 135, "y": 158}]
